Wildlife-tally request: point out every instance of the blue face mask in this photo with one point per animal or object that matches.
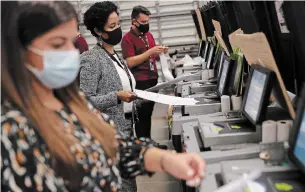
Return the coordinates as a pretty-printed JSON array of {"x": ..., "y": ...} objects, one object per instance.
[{"x": 60, "y": 68}]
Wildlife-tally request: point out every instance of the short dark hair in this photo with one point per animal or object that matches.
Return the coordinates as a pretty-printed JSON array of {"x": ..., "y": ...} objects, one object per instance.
[
  {"x": 139, "y": 9},
  {"x": 97, "y": 15}
]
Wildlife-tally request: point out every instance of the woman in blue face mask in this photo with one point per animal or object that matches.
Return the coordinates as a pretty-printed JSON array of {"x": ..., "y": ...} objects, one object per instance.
[{"x": 52, "y": 138}]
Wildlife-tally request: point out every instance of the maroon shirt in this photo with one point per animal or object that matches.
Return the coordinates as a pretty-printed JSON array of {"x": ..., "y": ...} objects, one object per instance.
[
  {"x": 81, "y": 44},
  {"x": 133, "y": 45}
]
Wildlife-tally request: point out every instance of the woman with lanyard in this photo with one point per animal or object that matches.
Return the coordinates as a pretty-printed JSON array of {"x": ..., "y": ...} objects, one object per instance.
[{"x": 103, "y": 77}]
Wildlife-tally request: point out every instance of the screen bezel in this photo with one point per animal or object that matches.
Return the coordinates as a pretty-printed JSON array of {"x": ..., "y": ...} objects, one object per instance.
[
  {"x": 295, "y": 130},
  {"x": 265, "y": 97},
  {"x": 225, "y": 58}
]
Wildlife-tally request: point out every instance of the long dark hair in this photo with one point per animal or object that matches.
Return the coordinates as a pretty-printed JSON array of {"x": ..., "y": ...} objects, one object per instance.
[
  {"x": 16, "y": 80},
  {"x": 11, "y": 53}
]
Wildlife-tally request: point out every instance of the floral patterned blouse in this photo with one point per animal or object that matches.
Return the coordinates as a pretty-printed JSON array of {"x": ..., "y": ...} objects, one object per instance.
[{"x": 26, "y": 162}]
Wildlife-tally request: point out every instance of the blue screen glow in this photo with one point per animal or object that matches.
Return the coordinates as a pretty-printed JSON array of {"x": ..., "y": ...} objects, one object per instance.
[{"x": 299, "y": 150}]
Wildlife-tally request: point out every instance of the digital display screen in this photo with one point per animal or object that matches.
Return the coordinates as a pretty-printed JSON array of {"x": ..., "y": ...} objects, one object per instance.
[
  {"x": 224, "y": 73},
  {"x": 255, "y": 94},
  {"x": 221, "y": 62},
  {"x": 210, "y": 56},
  {"x": 299, "y": 149},
  {"x": 200, "y": 49},
  {"x": 205, "y": 51}
]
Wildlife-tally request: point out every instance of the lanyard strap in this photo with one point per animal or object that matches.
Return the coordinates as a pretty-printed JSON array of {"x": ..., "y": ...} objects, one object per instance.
[
  {"x": 120, "y": 64},
  {"x": 145, "y": 41},
  {"x": 135, "y": 116}
]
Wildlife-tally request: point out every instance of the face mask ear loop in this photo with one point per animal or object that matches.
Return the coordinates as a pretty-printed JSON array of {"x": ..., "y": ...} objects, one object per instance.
[
  {"x": 138, "y": 23},
  {"x": 99, "y": 38},
  {"x": 35, "y": 50},
  {"x": 30, "y": 67}
]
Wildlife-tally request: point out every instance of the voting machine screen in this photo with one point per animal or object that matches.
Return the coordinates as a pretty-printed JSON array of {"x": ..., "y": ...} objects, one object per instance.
[
  {"x": 298, "y": 137},
  {"x": 223, "y": 76},
  {"x": 257, "y": 93}
]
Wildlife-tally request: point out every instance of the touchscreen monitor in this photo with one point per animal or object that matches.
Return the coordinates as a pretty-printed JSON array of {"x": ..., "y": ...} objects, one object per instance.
[
  {"x": 205, "y": 51},
  {"x": 223, "y": 76},
  {"x": 200, "y": 49},
  {"x": 299, "y": 148},
  {"x": 297, "y": 135},
  {"x": 220, "y": 63},
  {"x": 211, "y": 54},
  {"x": 255, "y": 94}
]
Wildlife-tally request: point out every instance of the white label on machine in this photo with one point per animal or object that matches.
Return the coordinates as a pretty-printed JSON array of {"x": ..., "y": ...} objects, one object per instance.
[{"x": 280, "y": 16}]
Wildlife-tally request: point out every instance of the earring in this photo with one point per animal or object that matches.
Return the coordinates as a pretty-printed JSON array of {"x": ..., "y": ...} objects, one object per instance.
[{"x": 100, "y": 40}]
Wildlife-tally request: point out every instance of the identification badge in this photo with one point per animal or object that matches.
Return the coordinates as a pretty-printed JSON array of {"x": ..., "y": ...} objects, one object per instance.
[{"x": 151, "y": 65}]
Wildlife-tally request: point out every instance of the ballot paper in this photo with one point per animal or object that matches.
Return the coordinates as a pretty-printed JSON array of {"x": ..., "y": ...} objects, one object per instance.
[
  {"x": 165, "y": 99},
  {"x": 165, "y": 69},
  {"x": 188, "y": 61},
  {"x": 246, "y": 182},
  {"x": 169, "y": 83}
]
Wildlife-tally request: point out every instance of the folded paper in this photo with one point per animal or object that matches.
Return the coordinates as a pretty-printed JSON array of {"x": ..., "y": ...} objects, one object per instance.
[{"x": 165, "y": 69}]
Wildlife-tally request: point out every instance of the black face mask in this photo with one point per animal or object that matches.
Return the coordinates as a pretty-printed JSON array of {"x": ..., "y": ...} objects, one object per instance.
[
  {"x": 144, "y": 28},
  {"x": 114, "y": 37}
]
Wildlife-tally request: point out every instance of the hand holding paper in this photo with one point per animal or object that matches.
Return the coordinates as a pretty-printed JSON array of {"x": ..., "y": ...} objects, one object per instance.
[{"x": 126, "y": 96}]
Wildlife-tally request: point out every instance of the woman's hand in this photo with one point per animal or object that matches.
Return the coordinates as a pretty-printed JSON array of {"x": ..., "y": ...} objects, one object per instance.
[
  {"x": 126, "y": 96},
  {"x": 186, "y": 166}
]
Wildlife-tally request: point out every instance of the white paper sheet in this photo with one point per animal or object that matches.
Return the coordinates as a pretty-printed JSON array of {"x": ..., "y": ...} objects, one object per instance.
[
  {"x": 165, "y": 99},
  {"x": 164, "y": 66},
  {"x": 163, "y": 85},
  {"x": 188, "y": 61},
  {"x": 246, "y": 182}
]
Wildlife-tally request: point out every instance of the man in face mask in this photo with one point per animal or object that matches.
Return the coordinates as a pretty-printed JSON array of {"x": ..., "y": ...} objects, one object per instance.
[{"x": 140, "y": 51}]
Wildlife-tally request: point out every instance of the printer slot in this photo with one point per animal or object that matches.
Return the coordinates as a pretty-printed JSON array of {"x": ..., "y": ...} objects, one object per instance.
[
  {"x": 199, "y": 140},
  {"x": 183, "y": 111},
  {"x": 219, "y": 180}
]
